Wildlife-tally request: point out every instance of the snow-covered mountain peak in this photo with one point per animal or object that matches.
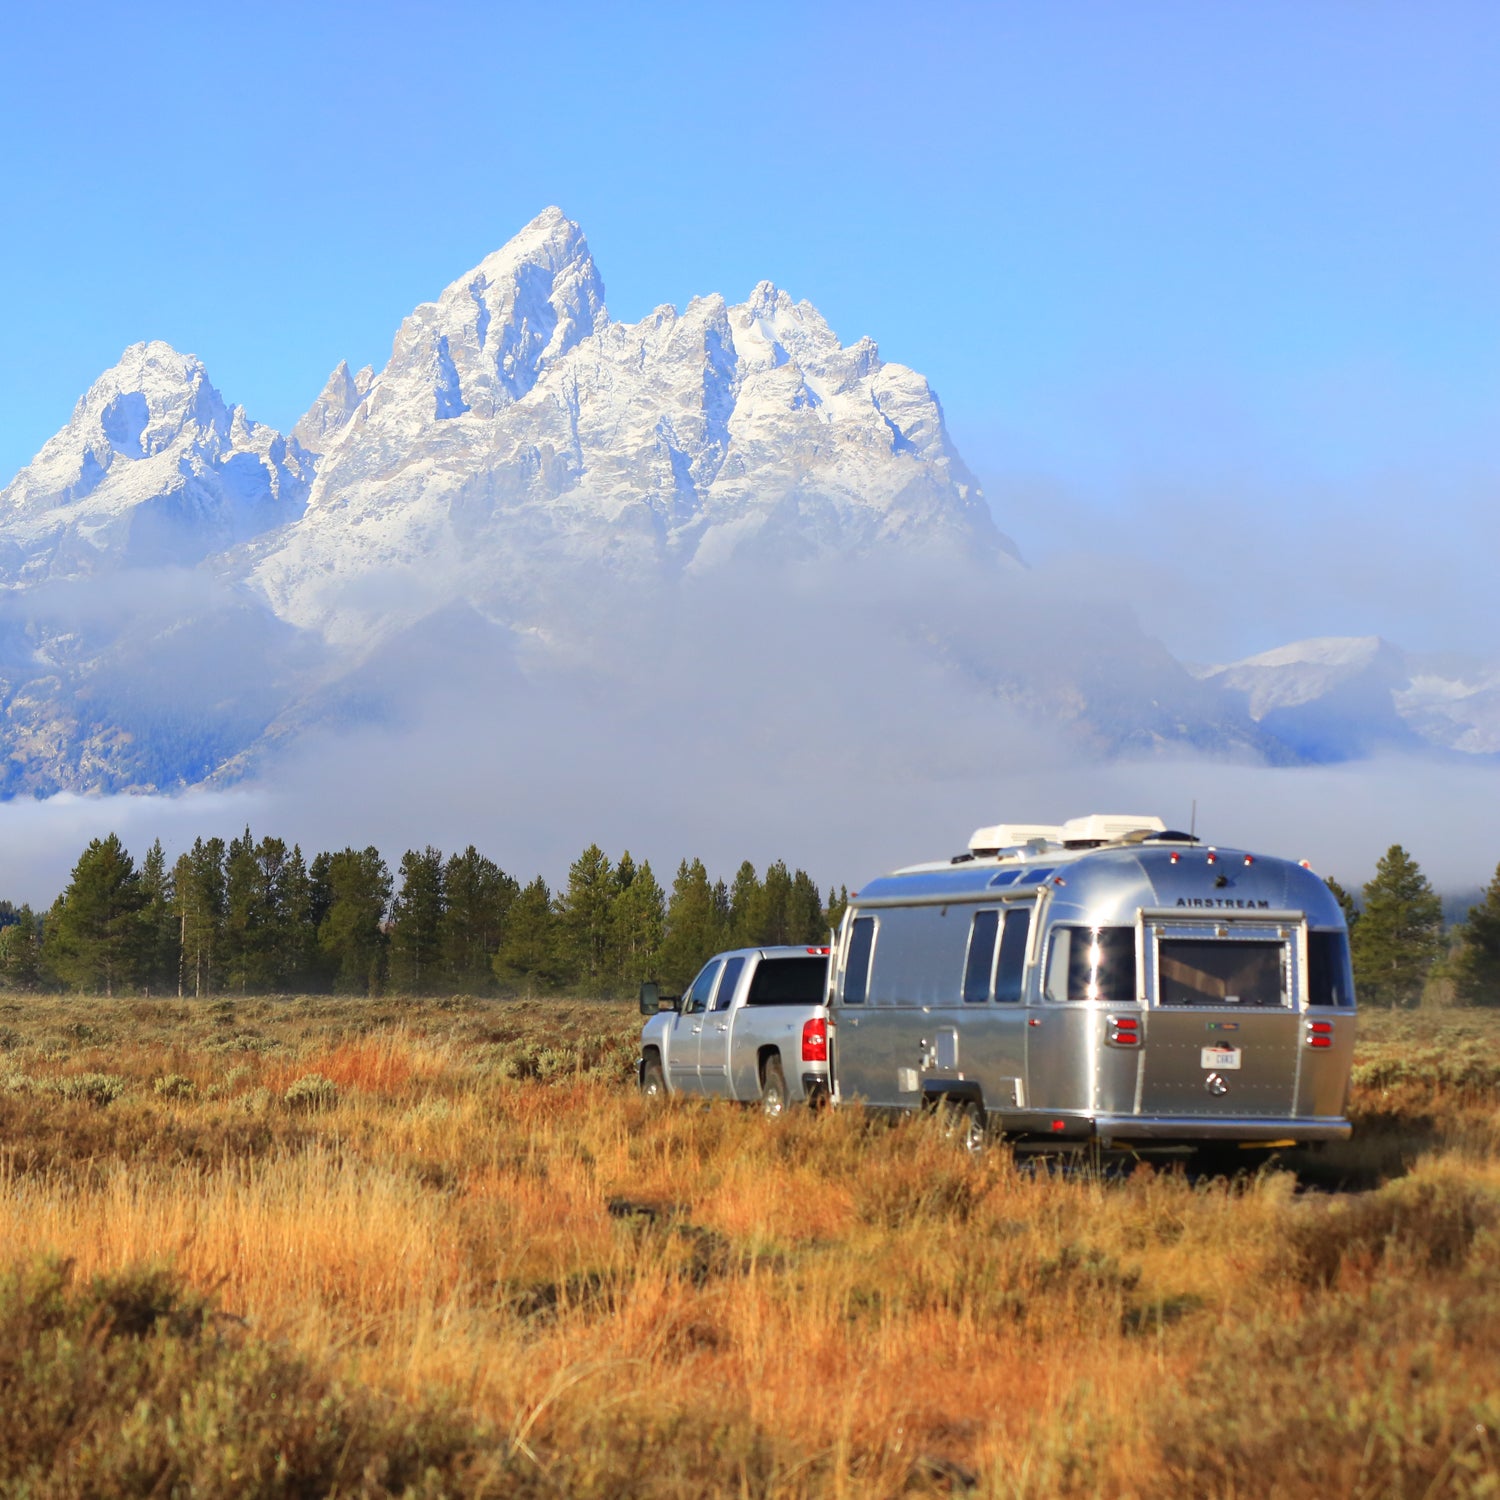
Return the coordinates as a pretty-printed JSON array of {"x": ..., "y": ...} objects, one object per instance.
[
  {"x": 153, "y": 467},
  {"x": 336, "y": 403},
  {"x": 489, "y": 335},
  {"x": 1348, "y": 652}
]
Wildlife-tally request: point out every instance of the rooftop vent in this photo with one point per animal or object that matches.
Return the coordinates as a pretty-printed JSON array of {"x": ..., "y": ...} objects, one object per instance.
[
  {"x": 1013, "y": 835},
  {"x": 1106, "y": 828}
]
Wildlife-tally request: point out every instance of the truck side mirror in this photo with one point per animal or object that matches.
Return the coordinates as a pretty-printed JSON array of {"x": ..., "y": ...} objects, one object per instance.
[{"x": 650, "y": 997}]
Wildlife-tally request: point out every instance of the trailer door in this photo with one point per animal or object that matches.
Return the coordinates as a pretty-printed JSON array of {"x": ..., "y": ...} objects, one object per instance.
[{"x": 1222, "y": 1028}]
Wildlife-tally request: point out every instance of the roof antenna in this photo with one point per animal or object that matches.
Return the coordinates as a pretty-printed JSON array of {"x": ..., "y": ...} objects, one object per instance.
[{"x": 1193, "y": 825}]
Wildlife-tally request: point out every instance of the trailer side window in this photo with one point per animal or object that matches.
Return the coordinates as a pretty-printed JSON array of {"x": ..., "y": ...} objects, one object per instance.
[
  {"x": 1012, "y": 965},
  {"x": 1329, "y": 980},
  {"x": 857, "y": 962},
  {"x": 1092, "y": 963},
  {"x": 981, "y": 956}
]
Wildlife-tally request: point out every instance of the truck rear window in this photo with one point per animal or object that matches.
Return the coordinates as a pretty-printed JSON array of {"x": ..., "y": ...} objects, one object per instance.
[{"x": 789, "y": 981}]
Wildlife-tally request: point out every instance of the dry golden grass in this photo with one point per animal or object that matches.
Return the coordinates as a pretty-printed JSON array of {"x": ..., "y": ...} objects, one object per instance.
[{"x": 473, "y": 1226}]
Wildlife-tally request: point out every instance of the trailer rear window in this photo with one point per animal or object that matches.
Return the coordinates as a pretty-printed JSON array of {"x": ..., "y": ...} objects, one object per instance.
[
  {"x": 1092, "y": 963},
  {"x": 1329, "y": 980},
  {"x": 789, "y": 981},
  {"x": 1206, "y": 971}
]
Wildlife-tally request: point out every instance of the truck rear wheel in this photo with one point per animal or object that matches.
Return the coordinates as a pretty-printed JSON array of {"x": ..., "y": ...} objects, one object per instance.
[
  {"x": 773, "y": 1089},
  {"x": 653, "y": 1081}
]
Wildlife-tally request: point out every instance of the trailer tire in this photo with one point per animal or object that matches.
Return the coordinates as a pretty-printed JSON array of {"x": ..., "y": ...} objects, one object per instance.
[
  {"x": 963, "y": 1120},
  {"x": 653, "y": 1080},
  {"x": 773, "y": 1089}
]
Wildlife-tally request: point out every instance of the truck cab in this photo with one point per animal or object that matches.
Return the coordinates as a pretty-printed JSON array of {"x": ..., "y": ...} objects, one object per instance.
[{"x": 752, "y": 1027}]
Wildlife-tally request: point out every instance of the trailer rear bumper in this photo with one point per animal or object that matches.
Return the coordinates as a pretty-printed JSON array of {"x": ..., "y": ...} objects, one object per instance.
[{"x": 1220, "y": 1128}]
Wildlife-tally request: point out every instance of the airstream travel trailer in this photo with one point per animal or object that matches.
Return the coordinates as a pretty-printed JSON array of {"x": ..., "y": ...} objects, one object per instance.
[{"x": 1107, "y": 979}]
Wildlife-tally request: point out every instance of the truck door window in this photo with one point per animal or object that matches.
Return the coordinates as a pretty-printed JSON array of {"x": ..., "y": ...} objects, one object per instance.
[
  {"x": 981, "y": 956},
  {"x": 1012, "y": 966},
  {"x": 857, "y": 960},
  {"x": 703, "y": 987},
  {"x": 733, "y": 968}
]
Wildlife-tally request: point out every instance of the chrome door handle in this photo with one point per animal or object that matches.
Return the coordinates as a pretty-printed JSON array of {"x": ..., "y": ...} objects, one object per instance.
[
  {"x": 696, "y": 1030},
  {"x": 721, "y": 1028}
]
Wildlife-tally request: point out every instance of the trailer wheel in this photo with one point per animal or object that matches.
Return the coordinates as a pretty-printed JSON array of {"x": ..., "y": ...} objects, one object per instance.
[
  {"x": 653, "y": 1080},
  {"x": 963, "y": 1120},
  {"x": 773, "y": 1090}
]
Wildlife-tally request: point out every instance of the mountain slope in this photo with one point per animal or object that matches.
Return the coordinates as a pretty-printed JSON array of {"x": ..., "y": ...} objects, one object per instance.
[{"x": 1336, "y": 697}]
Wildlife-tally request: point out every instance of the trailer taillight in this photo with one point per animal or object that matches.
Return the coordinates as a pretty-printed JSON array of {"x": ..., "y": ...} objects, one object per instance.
[
  {"x": 815, "y": 1040},
  {"x": 1320, "y": 1033},
  {"x": 1124, "y": 1031}
]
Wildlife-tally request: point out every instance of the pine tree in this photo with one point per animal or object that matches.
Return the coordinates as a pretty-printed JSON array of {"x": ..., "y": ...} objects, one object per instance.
[
  {"x": 479, "y": 897},
  {"x": 696, "y": 928},
  {"x": 21, "y": 951},
  {"x": 249, "y": 921},
  {"x": 527, "y": 958},
  {"x": 1399, "y": 933},
  {"x": 1477, "y": 968},
  {"x": 583, "y": 921},
  {"x": 159, "y": 936},
  {"x": 838, "y": 904},
  {"x": 746, "y": 898},
  {"x": 94, "y": 934},
  {"x": 296, "y": 932},
  {"x": 1345, "y": 901},
  {"x": 199, "y": 900},
  {"x": 637, "y": 923},
  {"x": 351, "y": 934},
  {"x": 417, "y": 923},
  {"x": 805, "y": 911}
]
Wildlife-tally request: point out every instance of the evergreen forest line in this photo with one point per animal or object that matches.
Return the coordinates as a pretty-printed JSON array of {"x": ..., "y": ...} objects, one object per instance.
[{"x": 255, "y": 917}]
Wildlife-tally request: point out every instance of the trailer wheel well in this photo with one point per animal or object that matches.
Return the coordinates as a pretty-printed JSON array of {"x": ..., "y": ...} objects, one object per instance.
[{"x": 939, "y": 1091}]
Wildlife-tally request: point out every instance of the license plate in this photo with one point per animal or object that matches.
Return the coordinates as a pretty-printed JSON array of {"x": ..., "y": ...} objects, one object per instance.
[{"x": 1221, "y": 1058}]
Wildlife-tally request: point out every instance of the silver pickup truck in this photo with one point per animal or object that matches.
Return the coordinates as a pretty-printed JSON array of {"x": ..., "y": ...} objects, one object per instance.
[{"x": 753, "y": 1026}]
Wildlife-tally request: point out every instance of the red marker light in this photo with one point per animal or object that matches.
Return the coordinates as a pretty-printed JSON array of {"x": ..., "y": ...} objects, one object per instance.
[
  {"x": 1059, "y": 1126},
  {"x": 1175, "y": 857},
  {"x": 1249, "y": 859}
]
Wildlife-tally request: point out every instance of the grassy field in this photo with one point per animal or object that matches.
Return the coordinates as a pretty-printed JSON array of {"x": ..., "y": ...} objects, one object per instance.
[{"x": 310, "y": 1246}]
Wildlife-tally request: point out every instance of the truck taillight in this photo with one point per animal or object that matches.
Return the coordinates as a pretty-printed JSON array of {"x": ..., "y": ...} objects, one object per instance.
[
  {"x": 815, "y": 1040},
  {"x": 1124, "y": 1031},
  {"x": 1320, "y": 1033}
]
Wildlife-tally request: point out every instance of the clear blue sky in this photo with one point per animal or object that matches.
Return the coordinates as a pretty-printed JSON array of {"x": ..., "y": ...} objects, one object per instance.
[{"x": 1205, "y": 288}]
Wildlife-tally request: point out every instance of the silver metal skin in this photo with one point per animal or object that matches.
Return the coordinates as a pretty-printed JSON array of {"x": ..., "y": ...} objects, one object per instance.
[
  {"x": 721, "y": 1050},
  {"x": 1154, "y": 1058}
]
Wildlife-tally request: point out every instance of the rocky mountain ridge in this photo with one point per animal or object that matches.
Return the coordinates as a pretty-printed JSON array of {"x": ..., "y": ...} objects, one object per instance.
[{"x": 536, "y": 504}]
